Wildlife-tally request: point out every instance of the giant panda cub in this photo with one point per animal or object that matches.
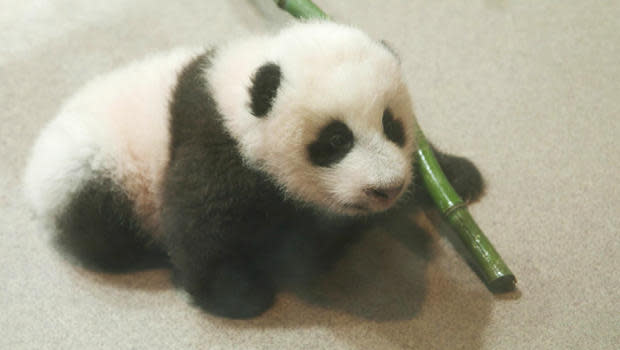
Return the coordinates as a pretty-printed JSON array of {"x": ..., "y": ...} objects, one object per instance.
[{"x": 244, "y": 165}]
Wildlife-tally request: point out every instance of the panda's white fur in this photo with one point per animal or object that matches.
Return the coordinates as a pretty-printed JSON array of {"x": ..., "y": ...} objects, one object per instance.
[
  {"x": 117, "y": 124},
  {"x": 120, "y": 127}
]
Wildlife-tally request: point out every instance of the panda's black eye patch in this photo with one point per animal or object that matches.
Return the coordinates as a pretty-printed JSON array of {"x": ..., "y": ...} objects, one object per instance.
[
  {"x": 335, "y": 140},
  {"x": 264, "y": 89},
  {"x": 393, "y": 128}
]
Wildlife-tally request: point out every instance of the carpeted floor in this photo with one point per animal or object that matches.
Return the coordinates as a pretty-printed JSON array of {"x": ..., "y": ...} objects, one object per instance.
[{"x": 528, "y": 90}]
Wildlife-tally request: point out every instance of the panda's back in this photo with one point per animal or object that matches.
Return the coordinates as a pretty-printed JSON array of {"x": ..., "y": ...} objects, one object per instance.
[{"x": 114, "y": 130}]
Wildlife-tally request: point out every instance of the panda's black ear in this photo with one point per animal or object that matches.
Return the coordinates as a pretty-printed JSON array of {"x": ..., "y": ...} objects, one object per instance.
[
  {"x": 264, "y": 88},
  {"x": 389, "y": 47}
]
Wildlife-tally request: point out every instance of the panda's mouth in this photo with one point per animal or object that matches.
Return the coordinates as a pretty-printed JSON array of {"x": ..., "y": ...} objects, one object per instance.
[
  {"x": 357, "y": 206},
  {"x": 365, "y": 208}
]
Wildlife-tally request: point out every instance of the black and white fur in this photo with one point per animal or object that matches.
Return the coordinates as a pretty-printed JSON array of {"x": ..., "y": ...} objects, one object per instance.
[{"x": 246, "y": 165}]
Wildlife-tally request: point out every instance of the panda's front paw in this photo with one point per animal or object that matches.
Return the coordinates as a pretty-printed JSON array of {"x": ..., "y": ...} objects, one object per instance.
[
  {"x": 465, "y": 178},
  {"x": 463, "y": 175},
  {"x": 234, "y": 291}
]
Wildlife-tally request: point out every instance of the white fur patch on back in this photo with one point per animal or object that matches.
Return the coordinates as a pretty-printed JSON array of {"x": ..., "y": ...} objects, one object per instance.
[{"x": 117, "y": 126}]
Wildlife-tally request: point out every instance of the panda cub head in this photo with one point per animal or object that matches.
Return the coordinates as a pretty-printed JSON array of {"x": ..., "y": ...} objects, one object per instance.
[{"x": 323, "y": 109}]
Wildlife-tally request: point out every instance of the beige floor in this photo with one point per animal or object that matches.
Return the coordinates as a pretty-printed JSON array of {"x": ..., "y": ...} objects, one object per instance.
[{"x": 529, "y": 90}]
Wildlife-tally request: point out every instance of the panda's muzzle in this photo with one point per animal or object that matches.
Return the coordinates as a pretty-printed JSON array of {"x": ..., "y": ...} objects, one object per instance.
[{"x": 384, "y": 195}]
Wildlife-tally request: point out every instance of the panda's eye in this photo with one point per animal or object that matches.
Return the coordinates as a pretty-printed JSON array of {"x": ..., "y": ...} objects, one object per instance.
[
  {"x": 393, "y": 128},
  {"x": 338, "y": 141},
  {"x": 333, "y": 143}
]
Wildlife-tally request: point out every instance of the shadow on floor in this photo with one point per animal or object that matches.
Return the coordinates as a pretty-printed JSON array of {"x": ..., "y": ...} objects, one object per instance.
[{"x": 387, "y": 286}]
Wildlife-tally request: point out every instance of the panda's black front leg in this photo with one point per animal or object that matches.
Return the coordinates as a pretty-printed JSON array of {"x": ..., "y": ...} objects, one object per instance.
[
  {"x": 228, "y": 286},
  {"x": 213, "y": 262}
]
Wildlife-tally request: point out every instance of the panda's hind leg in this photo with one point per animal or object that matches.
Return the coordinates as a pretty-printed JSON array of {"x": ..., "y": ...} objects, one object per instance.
[{"x": 100, "y": 228}]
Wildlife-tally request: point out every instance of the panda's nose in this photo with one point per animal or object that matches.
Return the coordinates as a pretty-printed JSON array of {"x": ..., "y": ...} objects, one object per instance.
[{"x": 384, "y": 194}]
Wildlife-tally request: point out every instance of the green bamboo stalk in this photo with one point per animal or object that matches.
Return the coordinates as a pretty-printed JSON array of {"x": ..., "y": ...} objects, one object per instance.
[
  {"x": 492, "y": 268},
  {"x": 301, "y": 8}
]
